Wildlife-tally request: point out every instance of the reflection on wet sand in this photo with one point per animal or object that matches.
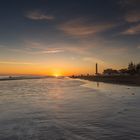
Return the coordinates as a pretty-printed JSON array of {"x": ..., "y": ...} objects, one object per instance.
[{"x": 68, "y": 109}]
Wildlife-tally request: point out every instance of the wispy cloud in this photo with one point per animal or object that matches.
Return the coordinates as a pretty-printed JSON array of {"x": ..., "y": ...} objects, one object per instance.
[
  {"x": 50, "y": 51},
  {"x": 36, "y": 48},
  {"x": 17, "y": 63},
  {"x": 132, "y": 30},
  {"x": 81, "y": 28},
  {"x": 38, "y": 15},
  {"x": 54, "y": 48},
  {"x": 133, "y": 16},
  {"x": 39, "y": 48},
  {"x": 131, "y": 10}
]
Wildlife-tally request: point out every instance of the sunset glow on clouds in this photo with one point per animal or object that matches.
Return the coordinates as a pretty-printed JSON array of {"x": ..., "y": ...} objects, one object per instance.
[
  {"x": 38, "y": 15},
  {"x": 80, "y": 28}
]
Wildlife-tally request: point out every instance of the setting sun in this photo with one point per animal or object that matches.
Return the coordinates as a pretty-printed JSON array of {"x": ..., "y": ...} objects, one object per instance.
[{"x": 57, "y": 75}]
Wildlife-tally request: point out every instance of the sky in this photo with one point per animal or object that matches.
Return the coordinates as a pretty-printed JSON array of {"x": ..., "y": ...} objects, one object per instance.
[{"x": 64, "y": 37}]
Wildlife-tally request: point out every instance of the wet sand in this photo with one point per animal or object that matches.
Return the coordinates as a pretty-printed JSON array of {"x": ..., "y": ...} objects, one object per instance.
[{"x": 68, "y": 109}]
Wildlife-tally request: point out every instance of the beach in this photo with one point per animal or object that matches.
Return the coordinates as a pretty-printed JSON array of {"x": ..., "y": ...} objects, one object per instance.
[
  {"x": 121, "y": 79},
  {"x": 68, "y": 109}
]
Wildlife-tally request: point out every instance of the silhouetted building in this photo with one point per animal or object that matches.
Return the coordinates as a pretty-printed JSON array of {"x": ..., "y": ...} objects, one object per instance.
[{"x": 110, "y": 72}]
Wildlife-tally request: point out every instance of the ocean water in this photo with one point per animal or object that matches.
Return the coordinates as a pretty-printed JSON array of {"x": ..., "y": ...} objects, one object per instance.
[{"x": 68, "y": 109}]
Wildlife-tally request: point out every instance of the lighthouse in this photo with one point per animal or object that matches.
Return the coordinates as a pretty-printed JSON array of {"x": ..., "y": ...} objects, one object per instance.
[{"x": 96, "y": 69}]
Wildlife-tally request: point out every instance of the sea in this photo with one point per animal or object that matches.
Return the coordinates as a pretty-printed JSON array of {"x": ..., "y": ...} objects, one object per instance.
[{"x": 68, "y": 109}]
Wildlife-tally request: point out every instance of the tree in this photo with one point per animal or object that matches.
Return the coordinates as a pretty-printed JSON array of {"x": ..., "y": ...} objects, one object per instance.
[
  {"x": 138, "y": 68},
  {"x": 131, "y": 68},
  {"x": 123, "y": 71}
]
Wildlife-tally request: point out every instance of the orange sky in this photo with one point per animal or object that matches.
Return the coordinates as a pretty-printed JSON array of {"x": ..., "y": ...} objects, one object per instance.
[
  {"x": 65, "y": 69},
  {"x": 44, "y": 70}
]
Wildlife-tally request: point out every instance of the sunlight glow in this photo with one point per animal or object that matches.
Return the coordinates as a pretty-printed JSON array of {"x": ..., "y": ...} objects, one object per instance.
[{"x": 57, "y": 75}]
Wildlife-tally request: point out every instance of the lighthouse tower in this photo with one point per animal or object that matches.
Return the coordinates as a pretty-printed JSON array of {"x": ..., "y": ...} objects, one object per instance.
[{"x": 96, "y": 69}]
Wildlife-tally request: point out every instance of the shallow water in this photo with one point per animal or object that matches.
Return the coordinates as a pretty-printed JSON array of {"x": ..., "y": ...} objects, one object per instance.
[{"x": 67, "y": 109}]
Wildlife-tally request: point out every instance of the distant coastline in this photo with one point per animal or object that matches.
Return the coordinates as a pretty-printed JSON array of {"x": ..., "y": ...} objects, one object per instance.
[
  {"x": 124, "y": 80},
  {"x": 6, "y": 78},
  {"x": 125, "y": 76}
]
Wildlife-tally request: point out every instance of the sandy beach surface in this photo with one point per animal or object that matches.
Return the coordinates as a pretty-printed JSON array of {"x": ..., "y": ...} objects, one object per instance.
[{"x": 68, "y": 109}]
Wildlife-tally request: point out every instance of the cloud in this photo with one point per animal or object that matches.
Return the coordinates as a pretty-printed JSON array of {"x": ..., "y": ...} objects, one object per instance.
[
  {"x": 38, "y": 15},
  {"x": 39, "y": 48},
  {"x": 81, "y": 28},
  {"x": 16, "y": 63},
  {"x": 133, "y": 16},
  {"x": 132, "y": 30},
  {"x": 51, "y": 51},
  {"x": 36, "y": 48},
  {"x": 35, "y": 51},
  {"x": 53, "y": 48},
  {"x": 131, "y": 10}
]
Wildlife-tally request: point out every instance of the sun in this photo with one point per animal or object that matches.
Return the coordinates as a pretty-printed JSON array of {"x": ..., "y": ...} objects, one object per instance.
[{"x": 56, "y": 74}]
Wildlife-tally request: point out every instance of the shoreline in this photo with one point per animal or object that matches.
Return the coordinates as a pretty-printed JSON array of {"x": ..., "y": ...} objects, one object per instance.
[
  {"x": 26, "y": 78},
  {"x": 22, "y": 78},
  {"x": 121, "y": 80}
]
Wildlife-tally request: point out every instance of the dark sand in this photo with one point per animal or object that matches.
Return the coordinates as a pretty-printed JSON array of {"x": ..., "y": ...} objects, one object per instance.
[{"x": 125, "y": 80}]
